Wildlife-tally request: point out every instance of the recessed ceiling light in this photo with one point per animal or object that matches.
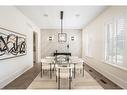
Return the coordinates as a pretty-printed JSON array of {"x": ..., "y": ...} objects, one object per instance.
[
  {"x": 45, "y": 15},
  {"x": 77, "y": 15}
]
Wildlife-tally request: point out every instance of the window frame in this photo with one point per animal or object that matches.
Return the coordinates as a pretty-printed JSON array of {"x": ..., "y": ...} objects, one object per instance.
[{"x": 115, "y": 27}]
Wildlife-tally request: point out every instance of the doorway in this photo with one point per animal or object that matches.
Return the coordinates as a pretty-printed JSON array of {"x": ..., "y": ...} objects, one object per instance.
[{"x": 34, "y": 47}]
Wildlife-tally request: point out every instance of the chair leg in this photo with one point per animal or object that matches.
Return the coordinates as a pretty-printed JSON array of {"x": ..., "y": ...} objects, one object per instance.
[
  {"x": 50, "y": 72},
  {"x": 70, "y": 80},
  {"x": 74, "y": 71},
  {"x": 83, "y": 69},
  {"x": 58, "y": 83},
  {"x": 41, "y": 70},
  {"x": 54, "y": 68},
  {"x": 58, "y": 78},
  {"x": 41, "y": 73}
]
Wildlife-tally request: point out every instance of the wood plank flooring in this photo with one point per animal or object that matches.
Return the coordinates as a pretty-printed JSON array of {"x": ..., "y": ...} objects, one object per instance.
[
  {"x": 103, "y": 81},
  {"x": 23, "y": 81}
]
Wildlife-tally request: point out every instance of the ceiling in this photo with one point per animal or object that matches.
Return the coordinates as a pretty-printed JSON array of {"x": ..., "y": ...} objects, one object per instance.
[{"x": 48, "y": 17}]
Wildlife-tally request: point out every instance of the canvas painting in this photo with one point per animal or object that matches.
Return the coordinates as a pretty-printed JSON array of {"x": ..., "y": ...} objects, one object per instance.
[{"x": 12, "y": 44}]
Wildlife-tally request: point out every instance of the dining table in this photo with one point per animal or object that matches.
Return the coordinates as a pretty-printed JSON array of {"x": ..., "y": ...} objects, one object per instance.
[{"x": 69, "y": 61}]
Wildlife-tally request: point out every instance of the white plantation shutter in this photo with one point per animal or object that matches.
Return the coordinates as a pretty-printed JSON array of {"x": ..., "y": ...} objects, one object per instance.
[
  {"x": 115, "y": 36},
  {"x": 120, "y": 33},
  {"x": 109, "y": 42}
]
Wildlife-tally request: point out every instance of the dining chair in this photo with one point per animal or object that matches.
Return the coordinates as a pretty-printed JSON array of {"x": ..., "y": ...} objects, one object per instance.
[
  {"x": 52, "y": 58},
  {"x": 47, "y": 64},
  {"x": 61, "y": 58},
  {"x": 73, "y": 57},
  {"x": 64, "y": 71},
  {"x": 78, "y": 65}
]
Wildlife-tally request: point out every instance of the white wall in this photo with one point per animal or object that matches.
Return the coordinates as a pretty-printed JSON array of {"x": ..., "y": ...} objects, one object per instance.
[
  {"x": 96, "y": 28},
  {"x": 12, "y": 19},
  {"x": 49, "y": 47}
]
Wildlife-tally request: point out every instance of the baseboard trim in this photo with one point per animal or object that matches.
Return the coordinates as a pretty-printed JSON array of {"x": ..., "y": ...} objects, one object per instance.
[
  {"x": 111, "y": 77},
  {"x": 13, "y": 76}
]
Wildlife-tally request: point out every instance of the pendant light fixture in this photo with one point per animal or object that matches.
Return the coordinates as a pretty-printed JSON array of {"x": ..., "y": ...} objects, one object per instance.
[{"x": 62, "y": 37}]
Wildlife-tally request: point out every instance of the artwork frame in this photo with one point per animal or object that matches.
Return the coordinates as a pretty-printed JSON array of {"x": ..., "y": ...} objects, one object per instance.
[
  {"x": 62, "y": 37},
  {"x": 12, "y": 44}
]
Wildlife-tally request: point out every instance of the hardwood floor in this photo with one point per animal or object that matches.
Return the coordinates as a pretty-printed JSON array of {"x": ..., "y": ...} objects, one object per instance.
[
  {"x": 26, "y": 79},
  {"x": 103, "y": 81},
  {"x": 23, "y": 81}
]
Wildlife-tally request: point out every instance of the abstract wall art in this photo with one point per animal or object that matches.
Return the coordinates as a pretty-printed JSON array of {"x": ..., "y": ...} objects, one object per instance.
[{"x": 12, "y": 44}]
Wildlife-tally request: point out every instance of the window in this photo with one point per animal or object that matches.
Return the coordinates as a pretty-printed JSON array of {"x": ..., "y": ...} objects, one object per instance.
[
  {"x": 89, "y": 43},
  {"x": 114, "y": 40}
]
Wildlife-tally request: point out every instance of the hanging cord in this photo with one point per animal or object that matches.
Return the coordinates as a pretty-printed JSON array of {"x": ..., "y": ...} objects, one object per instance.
[{"x": 61, "y": 17}]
